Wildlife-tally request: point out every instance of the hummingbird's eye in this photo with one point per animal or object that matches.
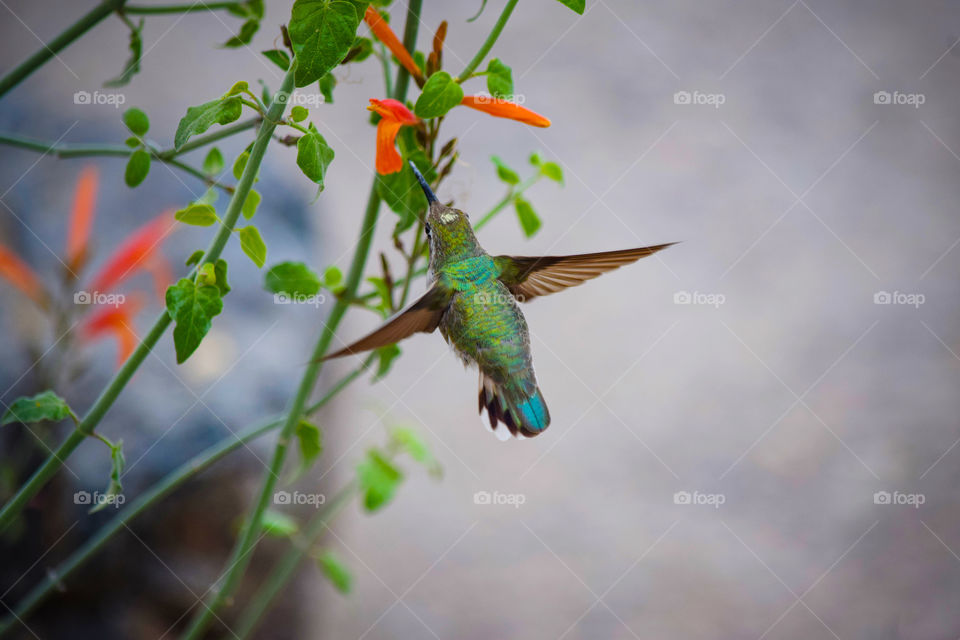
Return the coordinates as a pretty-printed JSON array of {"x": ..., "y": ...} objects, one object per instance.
[{"x": 426, "y": 227}]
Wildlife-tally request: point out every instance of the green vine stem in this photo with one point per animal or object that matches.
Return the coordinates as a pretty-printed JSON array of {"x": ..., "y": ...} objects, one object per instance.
[
  {"x": 164, "y": 487},
  {"x": 286, "y": 566},
  {"x": 488, "y": 43},
  {"x": 55, "y": 46},
  {"x": 109, "y": 395},
  {"x": 180, "y": 8},
  {"x": 168, "y": 156},
  {"x": 242, "y": 551}
]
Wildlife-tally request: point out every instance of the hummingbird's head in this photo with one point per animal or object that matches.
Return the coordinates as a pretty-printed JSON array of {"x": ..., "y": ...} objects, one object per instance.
[{"x": 448, "y": 229}]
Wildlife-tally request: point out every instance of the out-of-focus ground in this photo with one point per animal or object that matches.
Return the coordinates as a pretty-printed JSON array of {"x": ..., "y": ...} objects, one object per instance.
[{"x": 783, "y": 390}]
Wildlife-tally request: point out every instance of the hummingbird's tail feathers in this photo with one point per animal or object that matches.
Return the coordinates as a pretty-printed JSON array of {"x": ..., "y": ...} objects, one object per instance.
[{"x": 523, "y": 412}]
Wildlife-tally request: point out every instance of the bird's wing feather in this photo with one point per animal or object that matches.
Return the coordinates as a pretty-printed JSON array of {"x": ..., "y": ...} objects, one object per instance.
[
  {"x": 423, "y": 315},
  {"x": 529, "y": 277}
]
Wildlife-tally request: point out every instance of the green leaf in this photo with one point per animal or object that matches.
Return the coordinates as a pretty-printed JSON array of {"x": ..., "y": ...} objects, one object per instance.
[
  {"x": 133, "y": 142},
  {"x": 332, "y": 277},
  {"x": 386, "y": 357},
  {"x": 202, "y": 117},
  {"x": 360, "y": 51},
  {"x": 326, "y": 86},
  {"x": 310, "y": 440},
  {"x": 138, "y": 166},
  {"x": 575, "y": 5},
  {"x": 504, "y": 172},
  {"x": 299, "y": 114},
  {"x": 213, "y": 163},
  {"x": 220, "y": 271},
  {"x": 253, "y": 245},
  {"x": 314, "y": 155},
  {"x": 438, "y": 96},
  {"x": 278, "y": 524},
  {"x": 322, "y": 33},
  {"x": 250, "y": 204},
  {"x": 536, "y": 159},
  {"x": 132, "y": 66},
  {"x": 240, "y": 164},
  {"x": 335, "y": 571},
  {"x": 384, "y": 293},
  {"x": 278, "y": 57},
  {"x": 195, "y": 257},
  {"x": 240, "y": 86},
  {"x": 192, "y": 307},
  {"x": 197, "y": 214},
  {"x": 411, "y": 442},
  {"x": 379, "y": 480},
  {"x": 245, "y": 35},
  {"x": 553, "y": 171},
  {"x": 292, "y": 278},
  {"x": 402, "y": 192},
  {"x": 206, "y": 275},
  {"x": 499, "y": 79},
  {"x": 529, "y": 220},
  {"x": 114, "y": 487},
  {"x": 43, "y": 406},
  {"x": 137, "y": 121}
]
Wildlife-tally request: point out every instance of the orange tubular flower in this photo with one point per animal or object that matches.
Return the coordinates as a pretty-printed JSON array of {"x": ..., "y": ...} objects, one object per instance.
[
  {"x": 381, "y": 29},
  {"x": 81, "y": 218},
  {"x": 500, "y": 108},
  {"x": 135, "y": 253},
  {"x": 393, "y": 115},
  {"x": 116, "y": 321},
  {"x": 16, "y": 272}
]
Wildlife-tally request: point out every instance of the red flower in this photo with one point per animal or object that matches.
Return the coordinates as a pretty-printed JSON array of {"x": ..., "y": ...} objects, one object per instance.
[
  {"x": 116, "y": 321},
  {"x": 81, "y": 219},
  {"x": 139, "y": 251},
  {"x": 16, "y": 272},
  {"x": 500, "y": 108},
  {"x": 393, "y": 115},
  {"x": 381, "y": 29}
]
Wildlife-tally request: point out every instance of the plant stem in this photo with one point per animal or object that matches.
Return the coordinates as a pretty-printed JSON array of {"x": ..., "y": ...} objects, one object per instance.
[
  {"x": 409, "y": 43},
  {"x": 488, "y": 43},
  {"x": 121, "y": 150},
  {"x": 169, "y": 483},
  {"x": 284, "y": 569},
  {"x": 507, "y": 199},
  {"x": 109, "y": 395},
  {"x": 250, "y": 533},
  {"x": 52, "y": 48},
  {"x": 179, "y": 8}
]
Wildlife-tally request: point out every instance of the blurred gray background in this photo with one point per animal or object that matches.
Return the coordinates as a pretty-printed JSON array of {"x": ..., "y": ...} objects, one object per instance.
[{"x": 782, "y": 391}]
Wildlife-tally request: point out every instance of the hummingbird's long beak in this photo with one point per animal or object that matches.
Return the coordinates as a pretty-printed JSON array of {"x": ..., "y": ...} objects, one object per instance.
[{"x": 427, "y": 191}]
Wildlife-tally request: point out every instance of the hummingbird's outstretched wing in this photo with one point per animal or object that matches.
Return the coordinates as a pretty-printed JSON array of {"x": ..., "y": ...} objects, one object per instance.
[
  {"x": 423, "y": 315},
  {"x": 529, "y": 277}
]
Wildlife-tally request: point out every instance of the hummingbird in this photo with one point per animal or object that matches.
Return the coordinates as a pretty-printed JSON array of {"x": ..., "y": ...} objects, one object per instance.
[{"x": 473, "y": 299}]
